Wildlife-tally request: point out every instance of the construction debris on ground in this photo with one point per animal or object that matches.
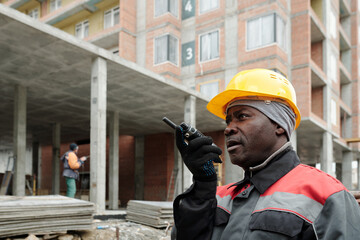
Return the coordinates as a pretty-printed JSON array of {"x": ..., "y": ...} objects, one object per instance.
[
  {"x": 114, "y": 229},
  {"x": 151, "y": 213},
  {"x": 43, "y": 214},
  {"x": 63, "y": 218}
]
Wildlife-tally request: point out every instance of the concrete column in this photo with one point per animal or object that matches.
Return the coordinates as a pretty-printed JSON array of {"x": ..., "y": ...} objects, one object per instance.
[
  {"x": 327, "y": 143},
  {"x": 358, "y": 174},
  {"x": 98, "y": 133},
  {"x": 347, "y": 169},
  {"x": 114, "y": 161},
  {"x": 141, "y": 7},
  {"x": 188, "y": 35},
  {"x": 19, "y": 140},
  {"x": 231, "y": 43},
  {"x": 56, "y": 159},
  {"x": 326, "y": 155},
  {"x": 190, "y": 118},
  {"x": 139, "y": 167},
  {"x": 233, "y": 173},
  {"x": 293, "y": 140}
]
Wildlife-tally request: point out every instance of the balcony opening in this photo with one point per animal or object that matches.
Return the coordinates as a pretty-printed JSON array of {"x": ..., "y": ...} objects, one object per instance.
[
  {"x": 317, "y": 54},
  {"x": 345, "y": 84},
  {"x": 317, "y": 101},
  {"x": 317, "y": 6},
  {"x": 345, "y": 58}
]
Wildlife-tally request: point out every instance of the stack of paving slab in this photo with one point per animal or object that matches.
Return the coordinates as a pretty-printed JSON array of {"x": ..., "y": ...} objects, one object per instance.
[
  {"x": 43, "y": 214},
  {"x": 152, "y": 213}
]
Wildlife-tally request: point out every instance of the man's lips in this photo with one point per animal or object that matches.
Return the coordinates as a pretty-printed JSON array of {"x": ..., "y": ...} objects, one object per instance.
[{"x": 232, "y": 144}]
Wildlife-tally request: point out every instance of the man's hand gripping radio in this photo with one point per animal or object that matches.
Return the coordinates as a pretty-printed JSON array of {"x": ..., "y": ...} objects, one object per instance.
[{"x": 198, "y": 151}]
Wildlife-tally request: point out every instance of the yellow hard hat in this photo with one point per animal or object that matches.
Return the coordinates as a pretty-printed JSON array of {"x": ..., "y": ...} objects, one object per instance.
[{"x": 256, "y": 84}]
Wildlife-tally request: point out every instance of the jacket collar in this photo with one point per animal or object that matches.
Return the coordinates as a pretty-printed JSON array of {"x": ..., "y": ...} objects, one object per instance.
[{"x": 277, "y": 165}]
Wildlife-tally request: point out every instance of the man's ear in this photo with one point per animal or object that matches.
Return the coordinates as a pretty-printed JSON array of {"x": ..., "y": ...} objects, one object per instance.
[{"x": 279, "y": 130}]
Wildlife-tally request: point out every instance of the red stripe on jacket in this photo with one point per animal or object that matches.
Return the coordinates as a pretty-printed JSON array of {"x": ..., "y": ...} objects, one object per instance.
[
  {"x": 307, "y": 181},
  {"x": 223, "y": 191}
]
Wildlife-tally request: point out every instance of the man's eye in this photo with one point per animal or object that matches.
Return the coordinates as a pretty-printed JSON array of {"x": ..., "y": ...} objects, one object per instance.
[{"x": 241, "y": 116}]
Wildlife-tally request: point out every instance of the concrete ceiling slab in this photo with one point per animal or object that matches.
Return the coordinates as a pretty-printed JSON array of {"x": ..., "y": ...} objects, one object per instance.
[{"x": 55, "y": 68}]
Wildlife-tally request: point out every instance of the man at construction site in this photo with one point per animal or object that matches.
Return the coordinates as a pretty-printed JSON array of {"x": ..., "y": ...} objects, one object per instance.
[
  {"x": 71, "y": 164},
  {"x": 279, "y": 198}
]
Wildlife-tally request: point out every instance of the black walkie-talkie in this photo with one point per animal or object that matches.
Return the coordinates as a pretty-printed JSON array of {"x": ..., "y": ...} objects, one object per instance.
[{"x": 189, "y": 131}]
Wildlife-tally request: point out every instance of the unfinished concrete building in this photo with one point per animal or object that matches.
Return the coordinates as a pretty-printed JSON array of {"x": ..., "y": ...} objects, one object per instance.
[{"x": 166, "y": 58}]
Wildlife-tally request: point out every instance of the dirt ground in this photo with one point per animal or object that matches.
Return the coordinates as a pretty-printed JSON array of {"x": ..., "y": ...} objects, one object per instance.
[
  {"x": 126, "y": 231},
  {"x": 107, "y": 230}
]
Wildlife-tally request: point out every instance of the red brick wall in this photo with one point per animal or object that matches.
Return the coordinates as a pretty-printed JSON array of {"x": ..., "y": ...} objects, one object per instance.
[
  {"x": 301, "y": 54},
  {"x": 46, "y": 169},
  {"x": 317, "y": 102},
  {"x": 317, "y": 54},
  {"x": 43, "y": 10},
  {"x": 300, "y": 40},
  {"x": 127, "y": 39},
  {"x": 159, "y": 162},
  {"x": 127, "y": 46},
  {"x": 126, "y": 169},
  {"x": 128, "y": 15},
  {"x": 299, "y": 6},
  {"x": 302, "y": 84},
  {"x": 300, "y": 28}
]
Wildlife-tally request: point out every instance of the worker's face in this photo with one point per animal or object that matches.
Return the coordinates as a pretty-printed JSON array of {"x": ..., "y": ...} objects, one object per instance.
[{"x": 250, "y": 136}]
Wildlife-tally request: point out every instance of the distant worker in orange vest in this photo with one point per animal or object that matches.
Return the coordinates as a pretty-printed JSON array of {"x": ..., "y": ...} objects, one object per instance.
[{"x": 71, "y": 164}]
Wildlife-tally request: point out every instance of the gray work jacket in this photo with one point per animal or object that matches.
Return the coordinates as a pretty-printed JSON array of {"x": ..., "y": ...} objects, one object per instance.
[{"x": 284, "y": 200}]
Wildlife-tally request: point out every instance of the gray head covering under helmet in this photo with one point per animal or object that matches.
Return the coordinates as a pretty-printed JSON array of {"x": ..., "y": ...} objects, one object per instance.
[{"x": 275, "y": 111}]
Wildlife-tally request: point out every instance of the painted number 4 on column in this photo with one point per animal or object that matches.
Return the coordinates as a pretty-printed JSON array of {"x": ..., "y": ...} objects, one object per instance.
[{"x": 188, "y": 6}]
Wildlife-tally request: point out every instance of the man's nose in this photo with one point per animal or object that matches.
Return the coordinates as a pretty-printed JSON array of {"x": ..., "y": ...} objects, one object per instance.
[{"x": 230, "y": 129}]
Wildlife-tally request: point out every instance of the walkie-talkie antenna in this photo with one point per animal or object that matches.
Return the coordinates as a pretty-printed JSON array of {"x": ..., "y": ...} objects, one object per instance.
[{"x": 169, "y": 122}]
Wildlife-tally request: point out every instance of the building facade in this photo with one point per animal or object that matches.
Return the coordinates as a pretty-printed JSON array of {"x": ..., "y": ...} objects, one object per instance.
[{"x": 202, "y": 44}]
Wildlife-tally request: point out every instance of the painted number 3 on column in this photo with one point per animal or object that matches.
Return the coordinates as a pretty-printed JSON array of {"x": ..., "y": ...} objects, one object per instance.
[{"x": 189, "y": 53}]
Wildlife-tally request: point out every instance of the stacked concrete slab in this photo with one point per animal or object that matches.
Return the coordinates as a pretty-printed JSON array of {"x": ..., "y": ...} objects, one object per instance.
[
  {"x": 43, "y": 214},
  {"x": 152, "y": 213}
]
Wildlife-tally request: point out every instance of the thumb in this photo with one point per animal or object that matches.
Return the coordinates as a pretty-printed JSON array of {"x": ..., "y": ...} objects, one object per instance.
[{"x": 218, "y": 159}]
